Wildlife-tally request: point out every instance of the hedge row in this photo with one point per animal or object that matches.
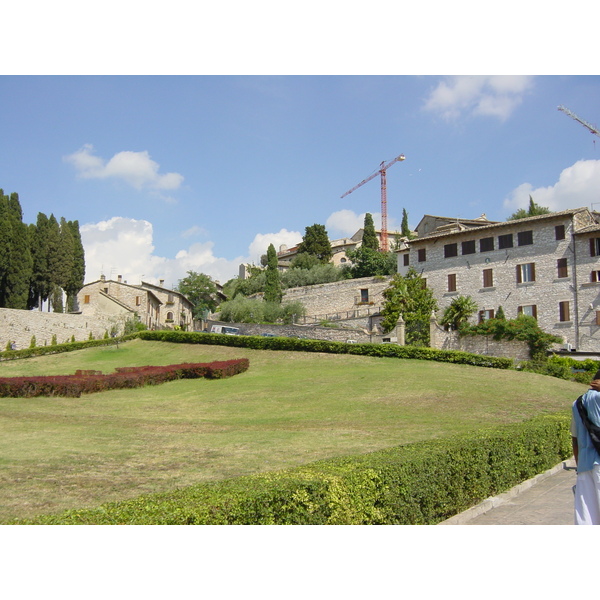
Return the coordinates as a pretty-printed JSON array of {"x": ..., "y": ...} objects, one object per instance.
[
  {"x": 89, "y": 381},
  {"x": 58, "y": 348},
  {"x": 305, "y": 345},
  {"x": 417, "y": 484}
]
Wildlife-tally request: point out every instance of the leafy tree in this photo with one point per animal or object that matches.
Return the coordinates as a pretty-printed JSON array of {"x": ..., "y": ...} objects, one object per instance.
[
  {"x": 408, "y": 296},
  {"x": 367, "y": 262},
  {"x": 201, "y": 290},
  {"x": 304, "y": 261},
  {"x": 533, "y": 211},
  {"x": 369, "y": 239},
  {"x": 273, "y": 283},
  {"x": 318, "y": 273},
  {"x": 459, "y": 311},
  {"x": 316, "y": 241}
]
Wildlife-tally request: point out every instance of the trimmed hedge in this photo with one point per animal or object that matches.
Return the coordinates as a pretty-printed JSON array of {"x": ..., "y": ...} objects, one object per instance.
[
  {"x": 58, "y": 348},
  {"x": 304, "y": 345},
  {"x": 90, "y": 381},
  {"x": 416, "y": 484}
]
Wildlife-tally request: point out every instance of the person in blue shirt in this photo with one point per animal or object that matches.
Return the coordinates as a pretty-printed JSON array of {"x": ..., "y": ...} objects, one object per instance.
[{"x": 587, "y": 458}]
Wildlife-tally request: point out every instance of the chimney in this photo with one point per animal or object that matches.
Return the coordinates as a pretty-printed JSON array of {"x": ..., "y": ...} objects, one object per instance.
[
  {"x": 102, "y": 277},
  {"x": 120, "y": 278},
  {"x": 161, "y": 282}
]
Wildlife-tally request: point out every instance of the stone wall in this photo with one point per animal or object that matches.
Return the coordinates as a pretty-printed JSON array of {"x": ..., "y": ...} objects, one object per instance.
[
  {"x": 477, "y": 344},
  {"x": 20, "y": 325},
  {"x": 333, "y": 334},
  {"x": 340, "y": 297}
]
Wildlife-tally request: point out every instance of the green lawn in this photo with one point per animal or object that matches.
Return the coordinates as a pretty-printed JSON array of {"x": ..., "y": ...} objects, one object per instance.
[{"x": 289, "y": 408}]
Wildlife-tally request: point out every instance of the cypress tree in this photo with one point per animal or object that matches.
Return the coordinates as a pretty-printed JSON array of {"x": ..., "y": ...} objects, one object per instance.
[
  {"x": 54, "y": 254},
  {"x": 16, "y": 265},
  {"x": 41, "y": 283},
  {"x": 273, "y": 291},
  {"x": 405, "y": 229},
  {"x": 77, "y": 275},
  {"x": 369, "y": 239}
]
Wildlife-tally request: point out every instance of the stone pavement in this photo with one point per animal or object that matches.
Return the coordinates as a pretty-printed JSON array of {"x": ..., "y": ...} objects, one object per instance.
[{"x": 547, "y": 499}]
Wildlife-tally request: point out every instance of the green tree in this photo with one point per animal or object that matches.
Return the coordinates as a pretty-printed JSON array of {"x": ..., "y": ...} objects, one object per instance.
[
  {"x": 201, "y": 290},
  {"x": 316, "y": 241},
  {"x": 533, "y": 211},
  {"x": 273, "y": 282},
  {"x": 16, "y": 263},
  {"x": 41, "y": 281},
  {"x": 76, "y": 276},
  {"x": 408, "y": 296},
  {"x": 369, "y": 239},
  {"x": 405, "y": 229},
  {"x": 367, "y": 262},
  {"x": 304, "y": 261},
  {"x": 459, "y": 311}
]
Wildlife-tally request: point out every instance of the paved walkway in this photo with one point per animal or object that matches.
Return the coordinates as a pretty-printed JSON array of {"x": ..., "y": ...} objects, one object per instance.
[{"x": 544, "y": 500}]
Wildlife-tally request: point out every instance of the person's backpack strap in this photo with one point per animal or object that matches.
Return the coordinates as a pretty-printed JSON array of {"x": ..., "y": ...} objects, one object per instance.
[{"x": 593, "y": 429}]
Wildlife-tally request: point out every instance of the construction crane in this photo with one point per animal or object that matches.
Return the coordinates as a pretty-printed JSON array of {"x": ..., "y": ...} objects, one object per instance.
[
  {"x": 584, "y": 123},
  {"x": 382, "y": 171}
]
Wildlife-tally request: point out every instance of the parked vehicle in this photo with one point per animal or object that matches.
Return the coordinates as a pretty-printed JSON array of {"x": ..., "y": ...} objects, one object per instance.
[{"x": 225, "y": 330}]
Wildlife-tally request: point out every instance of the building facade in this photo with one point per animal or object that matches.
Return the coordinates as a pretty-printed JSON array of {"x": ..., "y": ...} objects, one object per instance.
[
  {"x": 156, "y": 307},
  {"x": 546, "y": 266}
]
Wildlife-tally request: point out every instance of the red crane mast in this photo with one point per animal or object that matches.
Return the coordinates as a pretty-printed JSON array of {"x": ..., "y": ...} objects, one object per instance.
[{"x": 382, "y": 171}]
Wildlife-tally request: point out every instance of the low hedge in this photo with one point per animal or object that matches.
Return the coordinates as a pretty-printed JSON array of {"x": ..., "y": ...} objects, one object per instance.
[
  {"x": 306, "y": 345},
  {"x": 416, "y": 484},
  {"x": 58, "y": 348},
  {"x": 90, "y": 381}
]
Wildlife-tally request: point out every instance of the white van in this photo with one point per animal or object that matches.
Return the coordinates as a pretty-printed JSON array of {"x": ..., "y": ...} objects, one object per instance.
[{"x": 224, "y": 329}]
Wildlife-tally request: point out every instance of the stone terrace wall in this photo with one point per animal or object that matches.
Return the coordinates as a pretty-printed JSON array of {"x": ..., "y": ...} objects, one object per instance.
[
  {"x": 477, "y": 344},
  {"x": 331, "y": 334},
  {"x": 339, "y": 296},
  {"x": 20, "y": 325}
]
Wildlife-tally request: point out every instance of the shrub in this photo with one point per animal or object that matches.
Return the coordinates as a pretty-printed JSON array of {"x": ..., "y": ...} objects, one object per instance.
[
  {"x": 416, "y": 484},
  {"x": 90, "y": 381}
]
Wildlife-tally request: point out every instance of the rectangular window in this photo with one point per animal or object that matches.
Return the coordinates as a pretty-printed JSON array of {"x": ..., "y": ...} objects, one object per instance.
[
  {"x": 595, "y": 276},
  {"x": 406, "y": 259},
  {"x": 138, "y": 301},
  {"x": 484, "y": 315},
  {"x": 450, "y": 250},
  {"x": 86, "y": 299},
  {"x": 561, "y": 266},
  {"x": 559, "y": 232},
  {"x": 422, "y": 255},
  {"x": 563, "y": 311},
  {"x": 505, "y": 241},
  {"x": 598, "y": 317},
  {"x": 525, "y": 238},
  {"x": 594, "y": 246},
  {"x": 486, "y": 244},
  {"x": 452, "y": 282},
  {"x": 488, "y": 278},
  {"x": 364, "y": 295},
  {"x": 468, "y": 247},
  {"x": 530, "y": 310},
  {"x": 526, "y": 273}
]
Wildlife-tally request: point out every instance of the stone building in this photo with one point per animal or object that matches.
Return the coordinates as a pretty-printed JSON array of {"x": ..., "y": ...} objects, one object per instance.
[
  {"x": 156, "y": 306},
  {"x": 546, "y": 266}
]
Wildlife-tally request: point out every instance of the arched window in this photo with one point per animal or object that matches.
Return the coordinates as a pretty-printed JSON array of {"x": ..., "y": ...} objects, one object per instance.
[{"x": 169, "y": 316}]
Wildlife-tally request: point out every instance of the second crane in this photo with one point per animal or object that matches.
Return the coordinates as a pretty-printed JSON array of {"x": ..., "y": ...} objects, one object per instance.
[{"x": 382, "y": 171}]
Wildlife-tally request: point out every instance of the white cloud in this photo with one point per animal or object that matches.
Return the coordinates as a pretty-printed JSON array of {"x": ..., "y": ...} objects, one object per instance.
[
  {"x": 577, "y": 186},
  {"x": 135, "y": 168},
  {"x": 482, "y": 95},
  {"x": 124, "y": 246},
  {"x": 260, "y": 244},
  {"x": 345, "y": 223}
]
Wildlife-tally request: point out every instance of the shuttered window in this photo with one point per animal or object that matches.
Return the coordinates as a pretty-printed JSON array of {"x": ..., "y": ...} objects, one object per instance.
[
  {"x": 452, "y": 282},
  {"x": 488, "y": 278},
  {"x": 563, "y": 311},
  {"x": 561, "y": 266}
]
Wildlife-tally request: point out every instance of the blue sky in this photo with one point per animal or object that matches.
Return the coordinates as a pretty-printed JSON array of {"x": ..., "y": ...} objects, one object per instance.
[{"x": 173, "y": 173}]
